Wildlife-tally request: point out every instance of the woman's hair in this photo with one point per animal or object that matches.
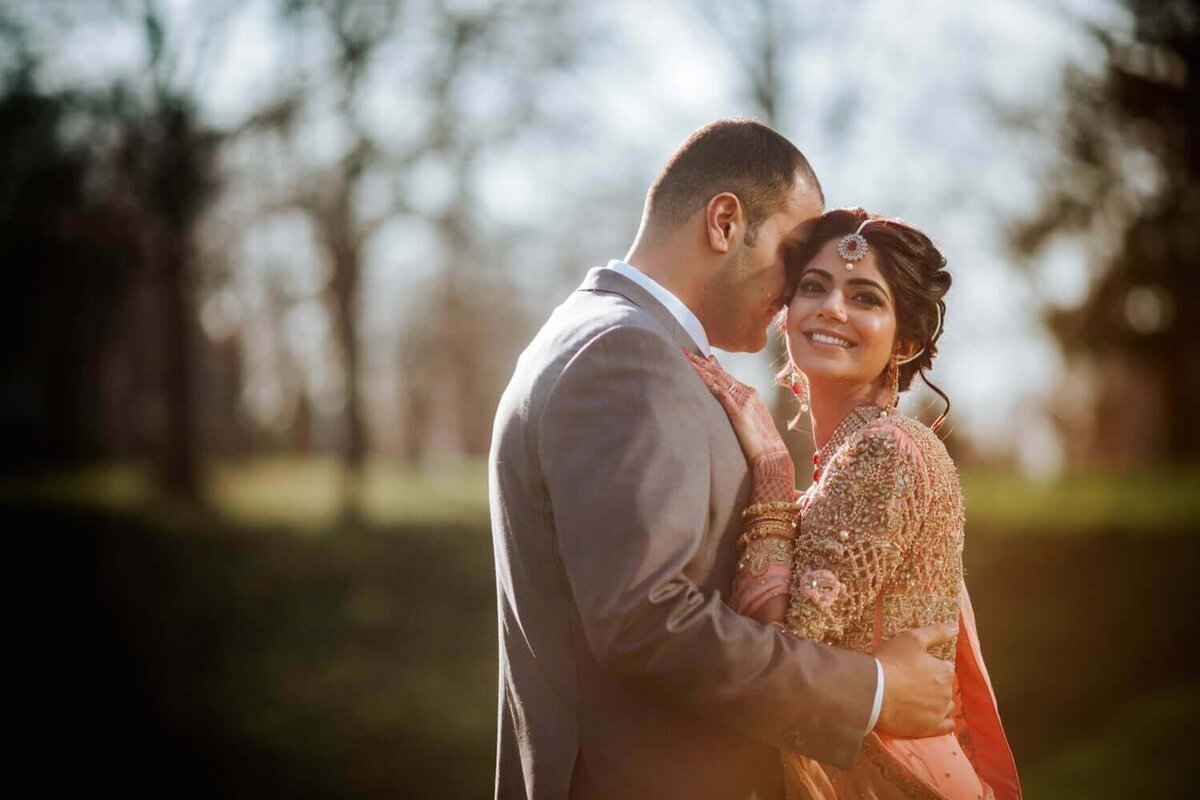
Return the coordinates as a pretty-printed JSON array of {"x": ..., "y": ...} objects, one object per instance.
[{"x": 914, "y": 269}]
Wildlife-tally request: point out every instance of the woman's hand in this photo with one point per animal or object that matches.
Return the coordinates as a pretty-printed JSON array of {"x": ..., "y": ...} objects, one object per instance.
[{"x": 773, "y": 475}]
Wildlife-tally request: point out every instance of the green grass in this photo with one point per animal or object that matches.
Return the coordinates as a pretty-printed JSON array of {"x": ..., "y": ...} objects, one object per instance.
[
  {"x": 254, "y": 658},
  {"x": 1130, "y": 756},
  {"x": 1148, "y": 501},
  {"x": 106, "y": 486},
  {"x": 278, "y": 654},
  {"x": 305, "y": 495}
]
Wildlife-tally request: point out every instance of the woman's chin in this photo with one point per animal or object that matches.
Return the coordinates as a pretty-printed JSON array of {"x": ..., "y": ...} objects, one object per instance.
[{"x": 822, "y": 368}]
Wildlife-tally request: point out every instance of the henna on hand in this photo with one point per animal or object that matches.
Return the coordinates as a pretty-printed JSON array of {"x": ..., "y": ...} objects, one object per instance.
[{"x": 772, "y": 478}]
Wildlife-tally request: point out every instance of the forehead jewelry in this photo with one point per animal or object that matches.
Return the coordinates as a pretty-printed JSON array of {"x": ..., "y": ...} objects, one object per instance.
[{"x": 853, "y": 246}]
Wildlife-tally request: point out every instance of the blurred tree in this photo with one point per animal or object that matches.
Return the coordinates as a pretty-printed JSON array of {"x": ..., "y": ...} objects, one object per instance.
[
  {"x": 165, "y": 168},
  {"x": 470, "y": 74},
  {"x": 57, "y": 316},
  {"x": 356, "y": 30},
  {"x": 1128, "y": 182},
  {"x": 103, "y": 192}
]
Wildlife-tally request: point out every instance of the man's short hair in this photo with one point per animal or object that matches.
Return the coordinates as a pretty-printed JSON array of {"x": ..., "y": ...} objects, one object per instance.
[{"x": 742, "y": 156}]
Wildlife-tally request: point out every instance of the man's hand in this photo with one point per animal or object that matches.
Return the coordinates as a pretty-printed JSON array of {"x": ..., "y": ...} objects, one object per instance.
[{"x": 917, "y": 687}]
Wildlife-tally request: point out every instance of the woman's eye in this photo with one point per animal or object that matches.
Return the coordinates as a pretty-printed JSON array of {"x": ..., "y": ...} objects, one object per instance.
[
  {"x": 811, "y": 286},
  {"x": 868, "y": 299}
]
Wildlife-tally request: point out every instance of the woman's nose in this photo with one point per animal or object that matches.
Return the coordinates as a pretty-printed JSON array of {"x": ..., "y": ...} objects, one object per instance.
[{"x": 832, "y": 308}]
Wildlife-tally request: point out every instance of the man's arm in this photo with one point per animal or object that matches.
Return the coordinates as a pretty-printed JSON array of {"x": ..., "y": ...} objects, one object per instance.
[{"x": 624, "y": 451}]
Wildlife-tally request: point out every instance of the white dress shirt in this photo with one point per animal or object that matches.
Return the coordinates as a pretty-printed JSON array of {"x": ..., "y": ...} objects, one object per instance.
[
  {"x": 691, "y": 323},
  {"x": 686, "y": 317}
]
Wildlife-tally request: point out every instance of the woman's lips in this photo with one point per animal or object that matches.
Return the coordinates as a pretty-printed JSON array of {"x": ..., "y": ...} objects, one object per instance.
[{"x": 825, "y": 339}]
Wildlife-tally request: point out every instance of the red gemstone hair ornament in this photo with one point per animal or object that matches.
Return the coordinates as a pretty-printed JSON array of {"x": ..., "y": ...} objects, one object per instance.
[{"x": 853, "y": 246}]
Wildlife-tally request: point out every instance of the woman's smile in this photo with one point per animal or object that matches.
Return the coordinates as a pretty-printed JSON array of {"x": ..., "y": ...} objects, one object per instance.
[
  {"x": 841, "y": 325},
  {"x": 825, "y": 339}
]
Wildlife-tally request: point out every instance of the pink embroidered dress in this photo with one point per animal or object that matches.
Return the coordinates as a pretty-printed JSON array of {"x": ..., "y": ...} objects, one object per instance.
[{"x": 879, "y": 552}]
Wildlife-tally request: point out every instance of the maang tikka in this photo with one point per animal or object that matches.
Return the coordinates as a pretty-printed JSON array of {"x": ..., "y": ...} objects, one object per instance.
[{"x": 853, "y": 246}]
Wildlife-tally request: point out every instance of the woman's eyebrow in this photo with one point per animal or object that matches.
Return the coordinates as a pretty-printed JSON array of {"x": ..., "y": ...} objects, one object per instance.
[
  {"x": 869, "y": 282},
  {"x": 852, "y": 281}
]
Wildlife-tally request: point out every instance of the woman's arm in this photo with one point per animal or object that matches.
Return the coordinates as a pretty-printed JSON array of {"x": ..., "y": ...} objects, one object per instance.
[
  {"x": 764, "y": 569},
  {"x": 760, "y": 586},
  {"x": 855, "y": 534}
]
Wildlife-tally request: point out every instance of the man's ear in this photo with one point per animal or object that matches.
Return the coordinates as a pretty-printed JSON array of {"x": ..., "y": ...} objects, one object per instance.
[{"x": 723, "y": 221}]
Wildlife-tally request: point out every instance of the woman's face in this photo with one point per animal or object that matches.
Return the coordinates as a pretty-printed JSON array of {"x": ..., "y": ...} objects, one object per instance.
[{"x": 841, "y": 324}]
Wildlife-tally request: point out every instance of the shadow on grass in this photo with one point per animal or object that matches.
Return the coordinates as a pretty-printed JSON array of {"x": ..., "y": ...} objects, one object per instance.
[{"x": 207, "y": 660}]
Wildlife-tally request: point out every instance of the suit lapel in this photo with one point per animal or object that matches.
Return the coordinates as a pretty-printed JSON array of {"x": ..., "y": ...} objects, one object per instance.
[{"x": 607, "y": 281}]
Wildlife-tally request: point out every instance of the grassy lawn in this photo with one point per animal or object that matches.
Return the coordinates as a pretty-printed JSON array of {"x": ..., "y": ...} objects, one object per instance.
[
  {"x": 259, "y": 650},
  {"x": 1163, "y": 501},
  {"x": 304, "y": 495}
]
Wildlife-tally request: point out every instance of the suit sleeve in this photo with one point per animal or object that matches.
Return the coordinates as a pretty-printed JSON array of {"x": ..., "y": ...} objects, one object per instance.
[{"x": 624, "y": 451}]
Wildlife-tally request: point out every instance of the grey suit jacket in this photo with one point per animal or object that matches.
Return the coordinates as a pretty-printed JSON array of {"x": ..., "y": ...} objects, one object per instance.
[{"x": 616, "y": 485}]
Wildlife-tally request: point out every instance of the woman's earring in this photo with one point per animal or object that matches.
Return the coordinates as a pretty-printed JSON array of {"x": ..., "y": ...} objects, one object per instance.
[
  {"x": 893, "y": 381},
  {"x": 798, "y": 383}
]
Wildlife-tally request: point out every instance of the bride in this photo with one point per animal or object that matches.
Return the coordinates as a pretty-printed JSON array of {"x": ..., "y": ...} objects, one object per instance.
[{"x": 874, "y": 547}]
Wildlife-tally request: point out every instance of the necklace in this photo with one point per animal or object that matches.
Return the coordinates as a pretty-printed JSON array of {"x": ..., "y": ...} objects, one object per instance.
[{"x": 858, "y": 416}]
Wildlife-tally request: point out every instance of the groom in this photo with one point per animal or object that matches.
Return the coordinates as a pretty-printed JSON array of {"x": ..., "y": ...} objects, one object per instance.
[{"x": 616, "y": 487}]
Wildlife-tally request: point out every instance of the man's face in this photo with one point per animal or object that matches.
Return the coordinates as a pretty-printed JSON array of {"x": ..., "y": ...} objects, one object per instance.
[{"x": 752, "y": 288}]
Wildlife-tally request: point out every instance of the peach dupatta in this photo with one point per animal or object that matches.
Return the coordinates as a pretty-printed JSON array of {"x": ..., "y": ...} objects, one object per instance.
[{"x": 975, "y": 762}]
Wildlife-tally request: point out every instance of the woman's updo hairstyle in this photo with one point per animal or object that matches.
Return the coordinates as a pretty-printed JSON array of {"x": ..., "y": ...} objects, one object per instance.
[{"x": 914, "y": 269}]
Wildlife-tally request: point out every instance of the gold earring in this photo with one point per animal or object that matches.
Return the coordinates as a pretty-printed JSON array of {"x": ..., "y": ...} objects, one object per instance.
[
  {"x": 797, "y": 383},
  {"x": 893, "y": 380}
]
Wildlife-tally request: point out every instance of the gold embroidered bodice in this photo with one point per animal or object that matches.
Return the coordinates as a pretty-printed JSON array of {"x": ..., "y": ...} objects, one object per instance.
[{"x": 881, "y": 528}]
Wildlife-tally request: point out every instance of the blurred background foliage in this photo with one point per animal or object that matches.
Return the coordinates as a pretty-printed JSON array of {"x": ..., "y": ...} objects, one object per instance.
[{"x": 270, "y": 265}]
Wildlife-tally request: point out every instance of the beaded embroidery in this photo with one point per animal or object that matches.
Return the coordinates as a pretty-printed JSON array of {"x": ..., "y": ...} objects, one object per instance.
[{"x": 884, "y": 521}]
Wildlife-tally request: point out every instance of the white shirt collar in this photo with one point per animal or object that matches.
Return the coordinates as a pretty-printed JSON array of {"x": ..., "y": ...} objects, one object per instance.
[{"x": 685, "y": 316}]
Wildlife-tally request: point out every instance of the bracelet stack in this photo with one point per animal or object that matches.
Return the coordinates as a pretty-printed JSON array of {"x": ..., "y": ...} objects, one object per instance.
[
  {"x": 768, "y": 535},
  {"x": 769, "y": 520}
]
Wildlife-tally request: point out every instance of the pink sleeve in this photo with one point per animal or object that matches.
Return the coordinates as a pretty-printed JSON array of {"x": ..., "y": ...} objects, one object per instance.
[
  {"x": 750, "y": 592},
  {"x": 764, "y": 572}
]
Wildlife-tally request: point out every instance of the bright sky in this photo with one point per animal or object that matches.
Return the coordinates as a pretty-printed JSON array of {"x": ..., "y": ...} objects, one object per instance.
[{"x": 892, "y": 100}]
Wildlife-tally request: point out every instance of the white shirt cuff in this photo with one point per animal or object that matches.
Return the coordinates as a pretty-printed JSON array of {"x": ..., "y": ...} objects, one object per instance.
[{"x": 875, "y": 709}]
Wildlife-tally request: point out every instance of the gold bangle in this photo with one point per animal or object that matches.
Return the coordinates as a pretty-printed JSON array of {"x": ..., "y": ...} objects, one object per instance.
[
  {"x": 762, "y": 528},
  {"x": 777, "y": 510},
  {"x": 758, "y": 535},
  {"x": 757, "y": 520},
  {"x": 769, "y": 524}
]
